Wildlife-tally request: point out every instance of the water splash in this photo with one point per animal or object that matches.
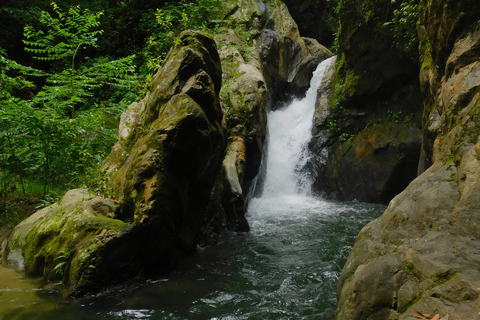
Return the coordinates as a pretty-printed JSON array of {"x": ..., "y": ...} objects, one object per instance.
[{"x": 289, "y": 134}]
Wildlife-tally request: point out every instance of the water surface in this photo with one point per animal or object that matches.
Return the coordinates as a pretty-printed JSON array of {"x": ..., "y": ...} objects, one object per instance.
[{"x": 286, "y": 267}]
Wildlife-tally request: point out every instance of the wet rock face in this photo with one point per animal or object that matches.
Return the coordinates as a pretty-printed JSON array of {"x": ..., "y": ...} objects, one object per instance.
[
  {"x": 377, "y": 163},
  {"x": 449, "y": 69},
  {"x": 315, "y": 19},
  {"x": 367, "y": 135},
  {"x": 288, "y": 60},
  {"x": 161, "y": 174},
  {"x": 423, "y": 251}
]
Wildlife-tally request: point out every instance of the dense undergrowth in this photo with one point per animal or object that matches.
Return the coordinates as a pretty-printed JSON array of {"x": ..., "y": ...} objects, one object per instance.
[{"x": 61, "y": 99}]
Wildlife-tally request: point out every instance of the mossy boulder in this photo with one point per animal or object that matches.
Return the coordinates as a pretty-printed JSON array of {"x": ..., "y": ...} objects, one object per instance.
[
  {"x": 161, "y": 174},
  {"x": 59, "y": 241},
  {"x": 169, "y": 168}
]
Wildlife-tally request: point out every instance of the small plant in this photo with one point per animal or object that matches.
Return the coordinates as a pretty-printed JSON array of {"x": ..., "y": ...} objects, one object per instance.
[
  {"x": 333, "y": 126},
  {"x": 63, "y": 258},
  {"x": 403, "y": 25},
  {"x": 408, "y": 118},
  {"x": 99, "y": 183},
  {"x": 344, "y": 137},
  {"x": 393, "y": 116},
  {"x": 48, "y": 200},
  {"x": 409, "y": 267}
]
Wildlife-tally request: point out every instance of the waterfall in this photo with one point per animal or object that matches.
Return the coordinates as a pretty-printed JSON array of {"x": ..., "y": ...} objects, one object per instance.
[
  {"x": 289, "y": 131},
  {"x": 286, "y": 267}
]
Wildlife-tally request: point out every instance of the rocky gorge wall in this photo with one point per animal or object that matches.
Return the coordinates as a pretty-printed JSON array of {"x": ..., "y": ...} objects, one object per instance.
[
  {"x": 367, "y": 131},
  {"x": 422, "y": 253},
  {"x": 258, "y": 67}
]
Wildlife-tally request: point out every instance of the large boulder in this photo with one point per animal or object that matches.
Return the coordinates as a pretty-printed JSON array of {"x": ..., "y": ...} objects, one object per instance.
[
  {"x": 422, "y": 253},
  {"x": 374, "y": 92},
  {"x": 60, "y": 242},
  {"x": 160, "y": 175}
]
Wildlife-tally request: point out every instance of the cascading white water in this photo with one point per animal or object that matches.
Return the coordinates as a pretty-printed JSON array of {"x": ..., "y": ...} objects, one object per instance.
[{"x": 289, "y": 134}]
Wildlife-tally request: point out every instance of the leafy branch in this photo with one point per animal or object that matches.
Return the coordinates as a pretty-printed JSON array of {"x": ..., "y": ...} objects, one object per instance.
[
  {"x": 63, "y": 35},
  {"x": 57, "y": 134}
]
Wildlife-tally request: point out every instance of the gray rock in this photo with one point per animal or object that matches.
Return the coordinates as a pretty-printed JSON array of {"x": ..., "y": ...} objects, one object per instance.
[{"x": 432, "y": 228}]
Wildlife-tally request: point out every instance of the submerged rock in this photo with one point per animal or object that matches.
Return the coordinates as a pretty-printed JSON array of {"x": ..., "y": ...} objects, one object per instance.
[{"x": 423, "y": 253}]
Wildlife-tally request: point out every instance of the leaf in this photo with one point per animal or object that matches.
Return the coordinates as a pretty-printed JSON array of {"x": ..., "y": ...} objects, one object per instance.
[{"x": 420, "y": 315}]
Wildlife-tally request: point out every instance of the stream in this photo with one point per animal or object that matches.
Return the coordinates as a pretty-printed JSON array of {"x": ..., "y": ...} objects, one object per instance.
[{"x": 286, "y": 267}]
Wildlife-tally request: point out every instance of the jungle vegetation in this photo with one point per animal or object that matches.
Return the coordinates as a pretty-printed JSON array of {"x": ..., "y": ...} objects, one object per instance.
[{"x": 68, "y": 69}]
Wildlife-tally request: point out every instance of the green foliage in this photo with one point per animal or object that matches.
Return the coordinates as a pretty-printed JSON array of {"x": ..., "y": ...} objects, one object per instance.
[
  {"x": 75, "y": 28},
  {"x": 63, "y": 259},
  {"x": 165, "y": 24},
  {"x": 409, "y": 267},
  {"x": 398, "y": 117},
  {"x": 98, "y": 183},
  {"x": 9, "y": 216},
  {"x": 48, "y": 200},
  {"x": 340, "y": 86},
  {"x": 53, "y": 136},
  {"x": 344, "y": 137},
  {"x": 62, "y": 37},
  {"x": 393, "y": 116},
  {"x": 403, "y": 25},
  {"x": 333, "y": 126},
  {"x": 226, "y": 93}
]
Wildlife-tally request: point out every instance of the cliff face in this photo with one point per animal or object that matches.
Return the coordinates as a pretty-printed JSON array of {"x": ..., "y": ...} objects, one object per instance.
[
  {"x": 370, "y": 129},
  {"x": 315, "y": 19},
  {"x": 422, "y": 253}
]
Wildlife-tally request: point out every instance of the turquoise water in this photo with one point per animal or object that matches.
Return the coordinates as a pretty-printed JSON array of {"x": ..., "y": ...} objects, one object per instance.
[{"x": 286, "y": 268}]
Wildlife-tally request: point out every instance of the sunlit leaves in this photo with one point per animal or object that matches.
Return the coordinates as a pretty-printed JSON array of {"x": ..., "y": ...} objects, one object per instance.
[
  {"x": 404, "y": 25},
  {"x": 174, "y": 17},
  {"x": 65, "y": 33},
  {"x": 56, "y": 133}
]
